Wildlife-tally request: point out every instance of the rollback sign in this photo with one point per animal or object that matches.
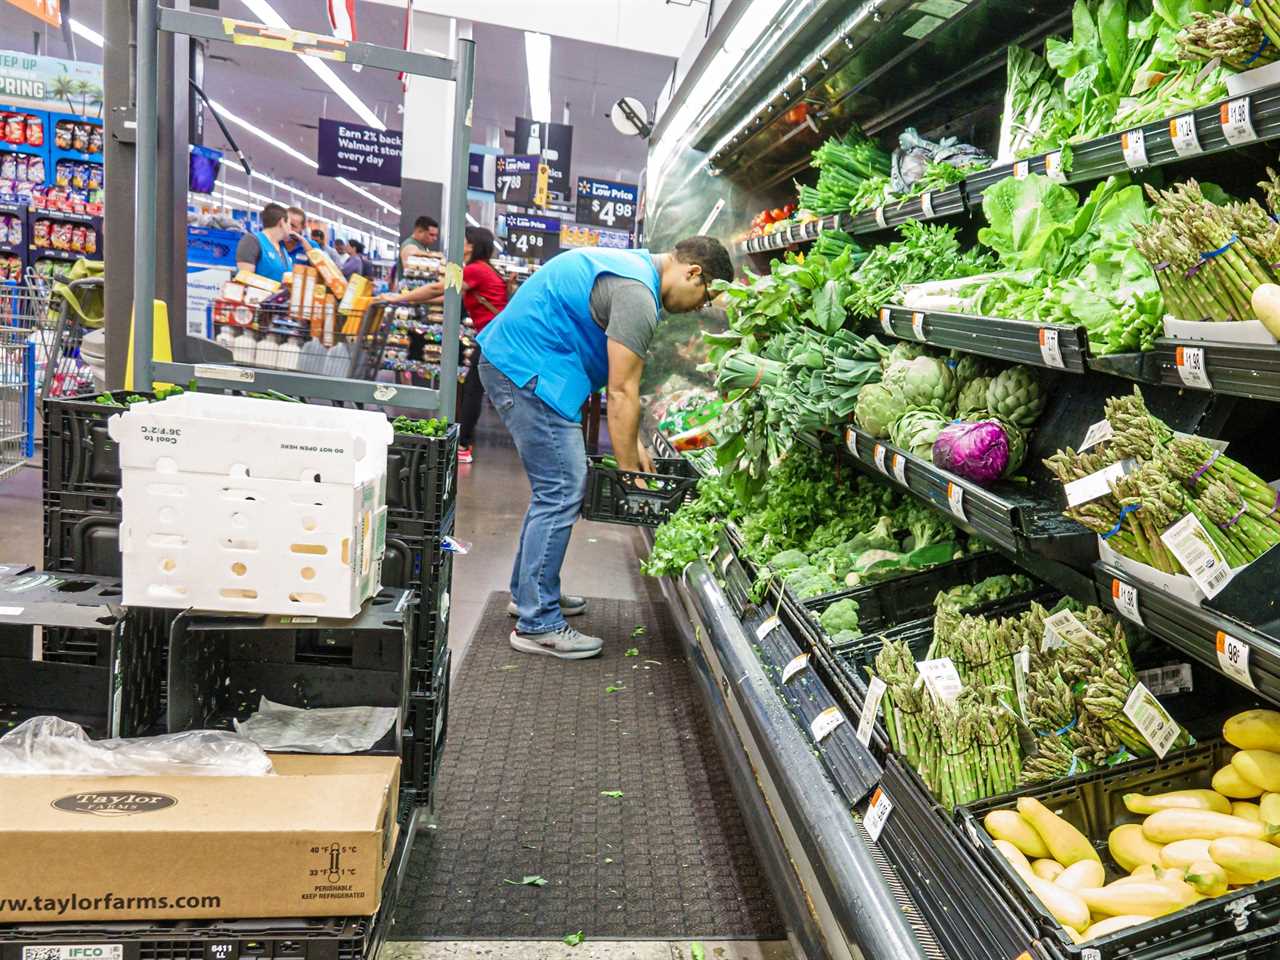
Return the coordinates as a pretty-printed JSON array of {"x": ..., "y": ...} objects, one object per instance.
[{"x": 359, "y": 153}]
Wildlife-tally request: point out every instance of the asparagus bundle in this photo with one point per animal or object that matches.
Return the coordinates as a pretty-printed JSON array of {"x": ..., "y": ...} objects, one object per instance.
[
  {"x": 1208, "y": 259},
  {"x": 1267, "y": 13},
  {"x": 1235, "y": 39}
]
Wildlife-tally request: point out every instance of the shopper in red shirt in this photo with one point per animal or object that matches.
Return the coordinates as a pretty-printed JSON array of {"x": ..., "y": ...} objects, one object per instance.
[{"x": 484, "y": 294}]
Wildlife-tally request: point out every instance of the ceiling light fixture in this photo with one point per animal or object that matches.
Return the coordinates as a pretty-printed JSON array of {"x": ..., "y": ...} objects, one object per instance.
[{"x": 537, "y": 55}]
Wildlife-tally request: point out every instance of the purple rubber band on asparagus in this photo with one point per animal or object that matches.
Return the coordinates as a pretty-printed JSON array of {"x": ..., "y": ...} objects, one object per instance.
[
  {"x": 1205, "y": 466},
  {"x": 1194, "y": 269},
  {"x": 1276, "y": 506},
  {"x": 1124, "y": 512},
  {"x": 1162, "y": 265},
  {"x": 1234, "y": 520}
]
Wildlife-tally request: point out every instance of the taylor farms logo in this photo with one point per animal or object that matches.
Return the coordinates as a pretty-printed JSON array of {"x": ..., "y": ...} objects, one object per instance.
[{"x": 114, "y": 804}]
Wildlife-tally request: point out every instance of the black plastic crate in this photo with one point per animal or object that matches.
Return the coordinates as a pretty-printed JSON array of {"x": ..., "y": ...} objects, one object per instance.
[
  {"x": 1094, "y": 803},
  {"x": 80, "y": 458},
  {"x": 79, "y": 542},
  {"x": 220, "y": 666},
  {"x": 613, "y": 497},
  {"x": 422, "y": 564},
  {"x": 426, "y": 727},
  {"x": 422, "y": 477},
  {"x": 68, "y": 649}
]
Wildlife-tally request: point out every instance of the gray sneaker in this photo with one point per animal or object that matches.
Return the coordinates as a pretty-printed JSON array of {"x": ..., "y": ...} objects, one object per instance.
[
  {"x": 565, "y": 643},
  {"x": 569, "y": 606}
]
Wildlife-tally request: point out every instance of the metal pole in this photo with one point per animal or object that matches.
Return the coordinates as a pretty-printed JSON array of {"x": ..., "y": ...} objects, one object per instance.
[
  {"x": 456, "y": 221},
  {"x": 144, "y": 228}
]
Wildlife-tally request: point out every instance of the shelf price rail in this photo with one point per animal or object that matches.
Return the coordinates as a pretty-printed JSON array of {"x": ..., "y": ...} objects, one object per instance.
[{"x": 1055, "y": 345}]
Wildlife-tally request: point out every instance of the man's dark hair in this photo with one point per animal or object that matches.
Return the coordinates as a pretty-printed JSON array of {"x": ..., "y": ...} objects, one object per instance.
[
  {"x": 481, "y": 241},
  {"x": 318, "y": 236},
  {"x": 709, "y": 254},
  {"x": 426, "y": 223},
  {"x": 357, "y": 246},
  {"x": 272, "y": 215}
]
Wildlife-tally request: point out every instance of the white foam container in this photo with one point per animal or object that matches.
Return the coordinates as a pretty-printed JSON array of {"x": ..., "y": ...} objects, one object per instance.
[
  {"x": 240, "y": 505},
  {"x": 1249, "y": 81},
  {"x": 1177, "y": 584},
  {"x": 1250, "y": 332}
]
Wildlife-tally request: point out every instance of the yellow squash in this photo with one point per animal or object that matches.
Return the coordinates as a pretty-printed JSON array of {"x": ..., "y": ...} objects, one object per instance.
[
  {"x": 1253, "y": 730},
  {"x": 1009, "y": 825},
  {"x": 1082, "y": 875},
  {"x": 1251, "y": 811},
  {"x": 1183, "y": 853},
  {"x": 1112, "y": 924},
  {"x": 1065, "y": 842},
  {"x": 1170, "y": 825},
  {"x": 1017, "y": 859},
  {"x": 1259, "y": 767},
  {"x": 1129, "y": 847},
  {"x": 1191, "y": 799},
  {"x": 1246, "y": 860},
  {"x": 1047, "y": 869},
  {"x": 1269, "y": 808},
  {"x": 1229, "y": 783},
  {"x": 1151, "y": 899},
  {"x": 1207, "y": 878},
  {"x": 1063, "y": 904}
]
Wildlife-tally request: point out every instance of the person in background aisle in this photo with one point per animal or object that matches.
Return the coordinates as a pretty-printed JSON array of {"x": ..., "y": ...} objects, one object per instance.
[
  {"x": 425, "y": 235},
  {"x": 293, "y": 242},
  {"x": 321, "y": 241},
  {"x": 583, "y": 321},
  {"x": 340, "y": 248},
  {"x": 357, "y": 262},
  {"x": 263, "y": 251}
]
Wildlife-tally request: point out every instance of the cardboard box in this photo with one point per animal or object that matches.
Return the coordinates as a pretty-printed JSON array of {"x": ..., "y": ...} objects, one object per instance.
[
  {"x": 256, "y": 280},
  {"x": 297, "y": 285},
  {"x": 313, "y": 839},
  {"x": 329, "y": 272},
  {"x": 358, "y": 288}
]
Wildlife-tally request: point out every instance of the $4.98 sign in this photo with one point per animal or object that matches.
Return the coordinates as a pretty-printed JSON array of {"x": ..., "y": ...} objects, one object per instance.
[
  {"x": 603, "y": 203},
  {"x": 537, "y": 238}
]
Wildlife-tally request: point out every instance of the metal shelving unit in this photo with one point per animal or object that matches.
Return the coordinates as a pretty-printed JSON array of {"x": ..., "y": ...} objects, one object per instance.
[{"x": 1053, "y": 345}]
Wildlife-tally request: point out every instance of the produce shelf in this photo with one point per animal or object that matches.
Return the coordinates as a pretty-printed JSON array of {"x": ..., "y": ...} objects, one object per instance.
[
  {"x": 794, "y": 233},
  {"x": 1054, "y": 345},
  {"x": 1242, "y": 370}
]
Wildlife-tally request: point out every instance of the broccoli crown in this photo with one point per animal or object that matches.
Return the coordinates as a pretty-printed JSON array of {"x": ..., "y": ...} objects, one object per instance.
[
  {"x": 840, "y": 616},
  {"x": 789, "y": 560}
]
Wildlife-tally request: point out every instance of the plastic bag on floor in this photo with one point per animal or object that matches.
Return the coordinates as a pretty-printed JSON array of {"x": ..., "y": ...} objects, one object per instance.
[
  {"x": 53, "y": 746},
  {"x": 322, "y": 730}
]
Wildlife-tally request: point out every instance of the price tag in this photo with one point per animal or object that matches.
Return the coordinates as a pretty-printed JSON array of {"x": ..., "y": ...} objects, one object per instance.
[
  {"x": 1086, "y": 953},
  {"x": 878, "y": 810},
  {"x": 1098, "y": 483},
  {"x": 1021, "y": 168},
  {"x": 917, "y": 324},
  {"x": 1182, "y": 131},
  {"x": 1096, "y": 434},
  {"x": 955, "y": 500},
  {"x": 1237, "y": 127},
  {"x": 880, "y": 220},
  {"x": 1050, "y": 352},
  {"x": 1199, "y": 555},
  {"x": 1151, "y": 719},
  {"x": 870, "y": 709},
  {"x": 1021, "y": 668},
  {"x": 767, "y": 626},
  {"x": 1053, "y": 167},
  {"x": 1064, "y": 628},
  {"x": 1133, "y": 144},
  {"x": 851, "y": 441},
  {"x": 1168, "y": 680},
  {"x": 940, "y": 678},
  {"x": 724, "y": 564},
  {"x": 797, "y": 664},
  {"x": 1233, "y": 657},
  {"x": 825, "y": 722},
  {"x": 900, "y": 468},
  {"x": 1191, "y": 367},
  {"x": 1125, "y": 597},
  {"x": 886, "y": 320},
  {"x": 877, "y": 454},
  {"x": 926, "y": 205}
]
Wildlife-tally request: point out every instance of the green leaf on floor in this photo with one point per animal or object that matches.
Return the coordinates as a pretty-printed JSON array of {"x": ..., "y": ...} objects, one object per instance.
[
  {"x": 528, "y": 881},
  {"x": 612, "y": 689},
  {"x": 574, "y": 939},
  {"x": 612, "y": 794},
  {"x": 633, "y": 652},
  {"x": 696, "y": 952},
  {"x": 639, "y": 631}
]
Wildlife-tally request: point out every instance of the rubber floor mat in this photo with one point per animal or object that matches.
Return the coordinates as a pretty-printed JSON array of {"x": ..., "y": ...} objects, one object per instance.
[{"x": 534, "y": 746}]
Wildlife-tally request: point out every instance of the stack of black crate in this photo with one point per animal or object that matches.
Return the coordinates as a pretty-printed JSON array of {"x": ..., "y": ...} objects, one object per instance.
[{"x": 331, "y": 663}]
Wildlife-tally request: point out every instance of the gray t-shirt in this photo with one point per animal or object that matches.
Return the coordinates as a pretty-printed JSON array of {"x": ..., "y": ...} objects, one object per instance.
[{"x": 624, "y": 309}]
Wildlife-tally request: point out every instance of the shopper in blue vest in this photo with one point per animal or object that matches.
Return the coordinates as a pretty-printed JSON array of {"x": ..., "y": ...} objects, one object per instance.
[
  {"x": 581, "y": 322},
  {"x": 263, "y": 251}
]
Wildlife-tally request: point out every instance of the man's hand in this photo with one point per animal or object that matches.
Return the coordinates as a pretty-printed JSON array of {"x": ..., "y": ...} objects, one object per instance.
[{"x": 643, "y": 458}]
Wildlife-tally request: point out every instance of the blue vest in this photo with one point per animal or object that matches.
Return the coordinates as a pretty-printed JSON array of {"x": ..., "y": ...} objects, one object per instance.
[
  {"x": 547, "y": 331},
  {"x": 273, "y": 260}
]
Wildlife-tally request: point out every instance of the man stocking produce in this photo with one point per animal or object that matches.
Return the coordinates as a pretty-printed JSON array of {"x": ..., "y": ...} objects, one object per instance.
[{"x": 582, "y": 322}]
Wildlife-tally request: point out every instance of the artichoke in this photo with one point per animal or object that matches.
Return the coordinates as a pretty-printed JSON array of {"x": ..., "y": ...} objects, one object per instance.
[
  {"x": 903, "y": 350},
  {"x": 1016, "y": 395},
  {"x": 876, "y": 409},
  {"x": 972, "y": 404},
  {"x": 916, "y": 430},
  {"x": 1017, "y": 446},
  {"x": 929, "y": 382},
  {"x": 967, "y": 368}
]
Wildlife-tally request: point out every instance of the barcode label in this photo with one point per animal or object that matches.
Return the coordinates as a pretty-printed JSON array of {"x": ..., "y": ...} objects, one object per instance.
[
  {"x": 851, "y": 441},
  {"x": 941, "y": 678},
  {"x": 1182, "y": 131},
  {"x": 797, "y": 664},
  {"x": 1151, "y": 719},
  {"x": 880, "y": 220},
  {"x": 1133, "y": 144},
  {"x": 1199, "y": 555},
  {"x": 886, "y": 321},
  {"x": 917, "y": 325},
  {"x": 1067, "y": 628},
  {"x": 1237, "y": 126},
  {"x": 900, "y": 468},
  {"x": 767, "y": 626},
  {"x": 1021, "y": 168},
  {"x": 877, "y": 454},
  {"x": 1100, "y": 431},
  {"x": 955, "y": 500},
  {"x": 1050, "y": 352},
  {"x": 1191, "y": 367},
  {"x": 1098, "y": 483},
  {"x": 1021, "y": 667},
  {"x": 825, "y": 722},
  {"x": 1053, "y": 167},
  {"x": 724, "y": 564},
  {"x": 1168, "y": 680},
  {"x": 878, "y": 810},
  {"x": 870, "y": 708},
  {"x": 926, "y": 205},
  {"x": 1233, "y": 657},
  {"x": 1125, "y": 597}
]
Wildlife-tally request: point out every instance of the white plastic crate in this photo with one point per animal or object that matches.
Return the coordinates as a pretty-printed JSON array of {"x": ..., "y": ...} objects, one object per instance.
[{"x": 251, "y": 506}]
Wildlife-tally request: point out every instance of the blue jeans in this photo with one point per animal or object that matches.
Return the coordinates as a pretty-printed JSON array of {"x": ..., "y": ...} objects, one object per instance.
[{"x": 555, "y": 460}]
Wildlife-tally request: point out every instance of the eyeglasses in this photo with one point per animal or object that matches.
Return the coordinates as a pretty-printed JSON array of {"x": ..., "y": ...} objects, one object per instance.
[{"x": 708, "y": 295}]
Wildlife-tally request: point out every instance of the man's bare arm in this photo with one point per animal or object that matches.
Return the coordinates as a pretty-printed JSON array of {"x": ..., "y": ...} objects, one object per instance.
[{"x": 625, "y": 369}]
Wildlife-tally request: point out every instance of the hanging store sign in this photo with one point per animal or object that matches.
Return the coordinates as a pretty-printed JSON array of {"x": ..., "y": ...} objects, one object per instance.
[
  {"x": 50, "y": 11},
  {"x": 358, "y": 152},
  {"x": 537, "y": 238},
  {"x": 49, "y": 83},
  {"x": 482, "y": 171},
  {"x": 603, "y": 203},
  {"x": 554, "y": 143},
  {"x": 517, "y": 180}
]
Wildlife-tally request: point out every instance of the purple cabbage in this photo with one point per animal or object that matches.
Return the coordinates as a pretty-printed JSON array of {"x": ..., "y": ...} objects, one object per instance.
[{"x": 976, "y": 451}]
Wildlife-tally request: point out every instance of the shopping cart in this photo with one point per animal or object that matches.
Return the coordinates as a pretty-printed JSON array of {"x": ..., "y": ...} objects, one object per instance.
[
  {"x": 59, "y": 327},
  {"x": 19, "y": 337}
]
